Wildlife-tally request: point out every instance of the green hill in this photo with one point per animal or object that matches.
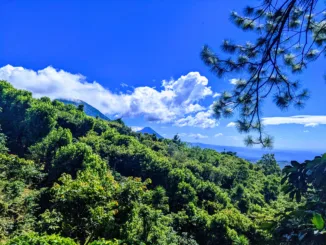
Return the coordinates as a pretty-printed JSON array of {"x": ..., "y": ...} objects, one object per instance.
[
  {"x": 68, "y": 178},
  {"x": 88, "y": 109}
]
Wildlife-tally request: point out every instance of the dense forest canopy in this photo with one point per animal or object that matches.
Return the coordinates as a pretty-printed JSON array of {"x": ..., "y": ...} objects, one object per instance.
[
  {"x": 67, "y": 178},
  {"x": 290, "y": 34}
]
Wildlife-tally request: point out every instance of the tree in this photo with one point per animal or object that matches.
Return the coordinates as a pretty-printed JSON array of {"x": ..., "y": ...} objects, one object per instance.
[
  {"x": 40, "y": 120},
  {"x": 80, "y": 107},
  {"x": 17, "y": 195},
  {"x": 87, "y": 198},
  {"x": 3, "y": 141},
  {"x": 306, "y": 222},
  {"x": 45, "y": 150},
  {"x": 14, "y": 104},
  {"x": 34, "y": 239},
  {"x": 269, "y": 165},
  {"x": 176, "y": 139},
  {"x": 61, "y": 186},
  {"x": 291, "y": 34}
]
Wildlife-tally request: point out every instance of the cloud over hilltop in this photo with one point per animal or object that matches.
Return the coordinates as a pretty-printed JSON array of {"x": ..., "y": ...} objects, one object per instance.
[{"x": 178, "y": 101}]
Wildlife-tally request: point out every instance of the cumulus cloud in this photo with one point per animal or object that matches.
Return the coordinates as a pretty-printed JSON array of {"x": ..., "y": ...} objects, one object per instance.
[
  {"x": 136, "y": 128},
  {"x": 216, "y": 95},
  {"x": 178, "y": 99},
  {"x": 218, "y": 135},
  {"x": 231, "y": 124},
  {"x": 311, "y": 125},
  {"x": 203, "y": 119},
  {"x": 192, "y": 135},
  {"x": 234, "y": 81},
  {"x": 306, "y": 120},
  {"x": 198, "y": 136}
]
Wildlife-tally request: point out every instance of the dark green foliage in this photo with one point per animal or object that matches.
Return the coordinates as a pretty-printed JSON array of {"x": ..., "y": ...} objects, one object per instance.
[
  {"x": 18, "y": 196},
  {"x": 231, "y": 153},
  {"x": 306, "y": 184},
  {"x": 269, "y": 165},
  {"x": 3, "y": 142},
  {"x": 80, "y": 107},
  {"x": 100, "y": 126},
  {"x": 83, "y": 180},
  {"x": 14, "y": 104},
  {"x": 40, "y": 120},
  {"x": 69, "y": 159},
  {"x": 75, "y": 120},
  {"x": 44, "y": 151}
]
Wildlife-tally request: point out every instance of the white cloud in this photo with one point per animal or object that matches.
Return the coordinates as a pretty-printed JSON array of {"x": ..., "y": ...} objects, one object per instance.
[
  {"x": 136, "y": 128},
  {"x": 306, "y": 120},
  {"x": 306, "y": 131},
  {"x": 203, "y": 119},
  {"x": 176, "y": 101},
  {"x": 231, "y": 124},
  {"x": 234, "y": 81},
  {"x": 198, "y": 136},
  {"x": 218, "y": 135},
  {"x": 216, "y": 95},
  {"x": 193, "y": 108},
  {"x": 311, "y": 125},
  {"x": 182, "y": 134},
  {"x": 192, "y": 135},
  {"x": 189, "y": 88}
]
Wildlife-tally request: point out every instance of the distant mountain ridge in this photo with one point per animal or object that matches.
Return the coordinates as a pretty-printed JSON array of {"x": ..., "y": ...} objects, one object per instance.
[
  {"x": 149, "y": 130},
  {"x": 88, "y": 109},
  {"x": 253, "y": 154},
  {"x": 282, "y": 156}
]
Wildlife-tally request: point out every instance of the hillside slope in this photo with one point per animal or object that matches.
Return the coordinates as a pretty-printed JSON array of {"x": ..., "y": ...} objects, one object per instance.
[
  {"x": 68, "y": 178},
  {"x": 88, "y": 109}
]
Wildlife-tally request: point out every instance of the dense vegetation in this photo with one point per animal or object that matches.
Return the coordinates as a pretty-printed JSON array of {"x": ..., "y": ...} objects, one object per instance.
[{"x": 67, "y": 178}]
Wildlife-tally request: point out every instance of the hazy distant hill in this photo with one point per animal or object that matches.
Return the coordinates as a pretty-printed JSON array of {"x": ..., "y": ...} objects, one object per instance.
[
  {"x": 148, "y": 130},
  {"x": 254, "y": 154},
  {"x": 88, "y": 109},
  {"x": 283, "y": 157},
  {"x": 251, "y": 154}
]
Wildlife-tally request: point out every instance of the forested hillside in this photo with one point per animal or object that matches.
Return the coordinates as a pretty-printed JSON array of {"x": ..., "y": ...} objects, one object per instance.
[
  {"x": 67, "y": 178},
  {"x": 88, "y": 109}
]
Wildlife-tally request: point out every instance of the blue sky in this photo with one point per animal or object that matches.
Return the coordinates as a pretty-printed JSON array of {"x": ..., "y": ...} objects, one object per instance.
[{"x": 144, "y": 57}]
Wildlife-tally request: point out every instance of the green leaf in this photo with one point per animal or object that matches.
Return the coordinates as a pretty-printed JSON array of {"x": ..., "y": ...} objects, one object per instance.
[
  {"x": 298, "y": 196},
  {"x": 292, "y": 194},
  {"x": 318, "y": 221},
  {"x": 284, "y": 179},
  {"x": 295, "y": 164},
  {"x": 323, "y": 157},
  {"x": 267, "y": 225}
]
